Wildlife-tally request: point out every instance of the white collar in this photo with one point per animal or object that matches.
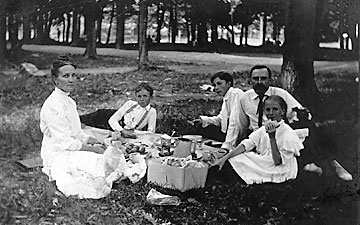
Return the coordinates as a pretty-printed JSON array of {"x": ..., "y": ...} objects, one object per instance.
[
  {"x": 61, "y": 92},
  {"x": 228, "y": 93}
]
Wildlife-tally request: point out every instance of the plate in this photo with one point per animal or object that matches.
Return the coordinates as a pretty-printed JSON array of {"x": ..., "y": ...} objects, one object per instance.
[{"x": 193, "y": 137}]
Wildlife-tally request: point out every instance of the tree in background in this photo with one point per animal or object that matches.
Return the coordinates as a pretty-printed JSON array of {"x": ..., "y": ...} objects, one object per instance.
[
  {"x": 2, "y": 33},
  {"x": 299, "y": 50},
  {"x": 143, "y": 51},
  {"x": 91, "y": 11}
]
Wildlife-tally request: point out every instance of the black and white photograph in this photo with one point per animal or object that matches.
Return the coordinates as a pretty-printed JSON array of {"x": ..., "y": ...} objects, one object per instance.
[{"x": 166, "y": 112}]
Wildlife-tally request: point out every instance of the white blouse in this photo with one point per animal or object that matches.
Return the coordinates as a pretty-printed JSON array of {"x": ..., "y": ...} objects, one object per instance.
[
  {"x": 61, "y": 127},
  {"x": 132, "y": 118}
]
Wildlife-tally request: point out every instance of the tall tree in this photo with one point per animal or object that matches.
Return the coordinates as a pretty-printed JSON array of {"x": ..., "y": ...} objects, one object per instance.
[
  {"x": 143, "y": 51},
  {"x": 75, "y": 25},
  {"x": 2, "y": 33},
  {"x": 120, "y": 22},
  {"x": 91, "y": 11},
  {"x": 26, "y": 6},
  {"x": 299, "y": 50},
  {"x": 112, "y": 14}
]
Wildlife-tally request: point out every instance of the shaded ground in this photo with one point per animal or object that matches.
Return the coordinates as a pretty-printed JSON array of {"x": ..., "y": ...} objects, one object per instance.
[{"x": 28, "y": 198}]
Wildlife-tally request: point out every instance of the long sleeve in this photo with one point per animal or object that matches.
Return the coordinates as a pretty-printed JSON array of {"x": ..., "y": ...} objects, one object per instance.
[
  {"x": 55, "y": 125},
  {"x": 208, "y": 120},
  {"x": 152, "y": 120},
  {"x": 234, "y": 123},
  {"x": 114, "y": 119}
]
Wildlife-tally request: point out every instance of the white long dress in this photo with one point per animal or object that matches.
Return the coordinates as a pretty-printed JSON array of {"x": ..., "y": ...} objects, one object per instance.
[
  {"x": 258, "y": 166},
  {"x": 81, "y": 173}
]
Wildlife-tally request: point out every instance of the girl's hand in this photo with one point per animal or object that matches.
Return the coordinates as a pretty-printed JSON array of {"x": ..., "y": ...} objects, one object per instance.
[
  {"x": 220, "y": 162},
  {"x": 270, "y": 126}
]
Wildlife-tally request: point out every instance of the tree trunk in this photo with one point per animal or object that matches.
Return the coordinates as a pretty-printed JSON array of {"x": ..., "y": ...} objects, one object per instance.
[
  {"x": 111, "y": 21},
  {"x": 173, "y": 22},
  {"x": 64, "y": 31},
  {"x": 120, "y": 24},
  {"x": 160, "y": 21},
  {"x": 143, "y": 52},
  {"x": 242, "y": 34},
  {"x": 75, "y": 27},
  {"x": 26, "y": 9},
  {"x": 68, "y": 24},
  {"x": 2, "y": 34},
  {"x": 193, "y": 32},
  {"x": 99, "y": 27},
  {"x": 264, "y": 29},
  {"x": 90, "y": 25},
  {"x": 298, "y": 57},
  {"x": 202, "y": 34},
  {"x": 214, "y": 34},
  {"x": 246, "y": 34}
]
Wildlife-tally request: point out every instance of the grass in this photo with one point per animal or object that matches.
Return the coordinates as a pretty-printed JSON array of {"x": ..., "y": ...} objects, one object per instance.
[{"x": 27, "y": 197}]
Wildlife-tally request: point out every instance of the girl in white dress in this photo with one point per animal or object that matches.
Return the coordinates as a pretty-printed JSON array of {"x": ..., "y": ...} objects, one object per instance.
[{"x": 276, "y": 144}]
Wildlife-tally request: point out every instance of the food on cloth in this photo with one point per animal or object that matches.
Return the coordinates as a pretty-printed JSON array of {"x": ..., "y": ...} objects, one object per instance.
[
  {"x": 182, "y": 162},
  {"x": 132, "y": 148}
]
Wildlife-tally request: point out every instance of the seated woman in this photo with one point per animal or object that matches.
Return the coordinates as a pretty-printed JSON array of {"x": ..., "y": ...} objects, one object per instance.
[
  {"x": 65, "y": 145},
  {"x": 276, "y": 145},
  {"x": 135, "y": 117},
  {"x": 132, "y": 117}
]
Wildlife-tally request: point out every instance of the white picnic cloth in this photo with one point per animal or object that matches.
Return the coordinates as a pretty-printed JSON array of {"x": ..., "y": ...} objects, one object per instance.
[{"x": 91, "y": 175}]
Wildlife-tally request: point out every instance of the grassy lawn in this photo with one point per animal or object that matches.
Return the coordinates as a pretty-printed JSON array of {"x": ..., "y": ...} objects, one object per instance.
[{"x": 28, "y": 198}]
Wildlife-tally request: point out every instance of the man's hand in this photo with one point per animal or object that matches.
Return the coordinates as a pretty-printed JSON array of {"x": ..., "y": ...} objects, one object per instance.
[
  {"x": 128, "y": 134},
  {"x": 195, "y": 122}
]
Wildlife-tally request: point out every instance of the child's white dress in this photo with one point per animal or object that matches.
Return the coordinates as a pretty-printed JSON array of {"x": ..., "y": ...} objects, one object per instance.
[{"x": 258, "y": 166}]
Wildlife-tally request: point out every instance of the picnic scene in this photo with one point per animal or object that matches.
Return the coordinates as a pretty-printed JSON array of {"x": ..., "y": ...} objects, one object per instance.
[{"x": 179, "y": 112}]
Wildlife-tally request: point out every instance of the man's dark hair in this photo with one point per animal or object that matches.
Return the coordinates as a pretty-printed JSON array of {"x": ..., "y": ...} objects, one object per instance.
[
  {"x": 259, "y": 67},
  {"x": 222, "y": 75},
  {"x": 146, "y": 87}
]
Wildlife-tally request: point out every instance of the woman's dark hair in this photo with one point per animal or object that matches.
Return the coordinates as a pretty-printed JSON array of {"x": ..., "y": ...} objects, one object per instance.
[
  {"x": 223, "y": 76},
  {"x": 259, "y": 67},
  {"x": 57, "y": 64},
  {"x": 282, "y": 104},
  {"x": 146, "y": 87}
]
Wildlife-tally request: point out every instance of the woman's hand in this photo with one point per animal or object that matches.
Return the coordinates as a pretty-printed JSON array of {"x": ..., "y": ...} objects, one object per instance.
[
  {"x": 128, "y": 134},
  {"x": 98, "y": 149},
  {"x": 93, "y": 140}
]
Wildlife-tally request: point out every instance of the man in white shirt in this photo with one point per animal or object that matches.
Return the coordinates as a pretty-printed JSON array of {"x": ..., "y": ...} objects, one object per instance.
[
  {"x": 251, "y": 102},
  {"x": 217, "y": 127}
]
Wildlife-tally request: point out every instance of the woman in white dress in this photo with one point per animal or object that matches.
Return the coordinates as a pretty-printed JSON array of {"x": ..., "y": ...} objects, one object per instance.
[
  {"x": 70, "y": 157},
  {"x": 276, "y": 147}
]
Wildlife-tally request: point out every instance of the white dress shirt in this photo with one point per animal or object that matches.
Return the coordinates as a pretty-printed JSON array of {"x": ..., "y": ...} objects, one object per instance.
[
  {"x": 132, "y": 118},
  {"x": 61, "y": 127},
  {"x": 230, "y": 106},
  {"x": 249, "y": 101},
  {"x": 259, "y": 166}
]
